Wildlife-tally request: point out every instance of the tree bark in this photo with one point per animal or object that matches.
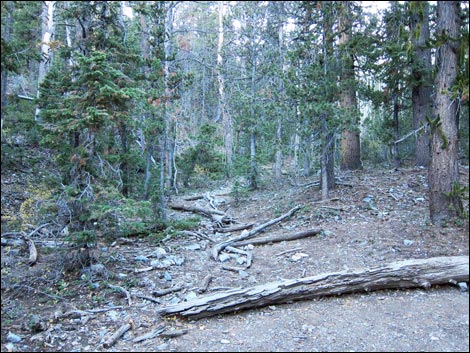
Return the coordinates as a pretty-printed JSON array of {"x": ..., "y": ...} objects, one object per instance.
[
  {"x": 444, "y": 202},
  {"x": 6, "y": 34},
  {"x": 396, "y": 275},
  {"x": 278, "y": 238},
  {"x": 350, "y": 138},
  {"x": 421, "y": 93},
  {"x": 226, "y": 118},
  {"x": 47, "y": 32}
]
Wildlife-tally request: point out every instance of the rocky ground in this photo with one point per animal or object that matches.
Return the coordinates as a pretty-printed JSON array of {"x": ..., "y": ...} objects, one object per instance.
[{"x": 374, "y": 217}]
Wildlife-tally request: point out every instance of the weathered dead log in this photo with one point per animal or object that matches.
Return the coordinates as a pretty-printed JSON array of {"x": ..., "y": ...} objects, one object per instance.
[
  {"x": 402, "y": 274},
  {"x": 208, "y": 212},
  {"x": 279, "y": 238},
  {"x": 246, "y": 235},
  {"x": 234, "y": 228}
]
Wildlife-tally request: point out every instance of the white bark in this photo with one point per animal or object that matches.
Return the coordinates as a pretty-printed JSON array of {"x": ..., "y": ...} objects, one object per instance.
[{"x": 47, "y": 32}]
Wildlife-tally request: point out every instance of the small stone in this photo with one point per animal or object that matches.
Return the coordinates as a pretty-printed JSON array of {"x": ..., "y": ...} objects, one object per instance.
[
  {"x": 224, "y": 257},
  {"x": 167, "y": 276},
  {"x": 224, "y": 341},
  {"x": 463, "y": 287},
  {"x": 193, "y": 247},
  {"x": 191, "y": 295},
  {"x": 243, "y": 274},
  {"x": 298, "y": 255},
  {"x": 407, "y": 242},
  {"x": 141, "y": 258},
  {"x": 13, "y": 338},
  {"x": 159, "y": 253}
]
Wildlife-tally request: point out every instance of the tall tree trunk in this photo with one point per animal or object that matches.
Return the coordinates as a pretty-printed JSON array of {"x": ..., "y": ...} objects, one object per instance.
[
  {"x": 253, "y": 175},
  {"x": 6, "y": 36},
  {"x": 327, "y": 137},
  {"x": 226, "y": 118},
  {"x": 421, "y": 93},
  {"x": 350, "y": 138},
  {"x": 444, "y": 201},
  {"x": 47, "y": 32},
  {"x": 396, "y": 136}
]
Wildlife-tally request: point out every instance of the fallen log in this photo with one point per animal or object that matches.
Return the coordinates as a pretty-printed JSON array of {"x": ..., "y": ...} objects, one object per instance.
[
  {"x": 217, "y": 216},
  {"x": 204, "y": 211},
  {"x": 246, "y": 235},
  {"x": 401, "y": 274},
  {"x": 278, "y": 238},
  {"x": 234, "y": 228}
]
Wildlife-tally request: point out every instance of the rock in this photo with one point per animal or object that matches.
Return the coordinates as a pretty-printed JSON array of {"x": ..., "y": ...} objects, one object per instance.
[
  {"x": 167, "y": 276},
  {"x": 298, "y": 255},
  {"x": 13, "y": 338},
  {"x": 191, "y": 295},
  {"x": 407, "y": 242},
  {"x": 224, "y": 257},
  {"x": 240, "y": 260},
  {"x": 243, "y": 274},
  {"x": 463, "y": 287},
  {"x": 159, "y": 253},
  {"x": 224, "y": 341},
  {"x": 141, "y": 258},
  {"x": 97, "y": 269},
  {"x": 193, "y": 247}
]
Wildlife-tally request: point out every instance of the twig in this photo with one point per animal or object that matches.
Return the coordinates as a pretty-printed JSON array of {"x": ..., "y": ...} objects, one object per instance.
[
  {"x": 147, "y": 298},
  {"x": 288, "y": 251},
  {"x": 159, "y": 293},
  {"x": 149, "y": 335},
  {"x": 126, "y": 293},
  {"x": 174, "y": 333}
]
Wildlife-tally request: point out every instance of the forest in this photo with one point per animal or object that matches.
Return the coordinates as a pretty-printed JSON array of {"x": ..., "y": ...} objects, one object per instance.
[{"x": 171, "y": 159}]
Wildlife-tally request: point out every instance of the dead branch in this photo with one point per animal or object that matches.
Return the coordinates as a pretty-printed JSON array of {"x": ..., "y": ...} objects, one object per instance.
[
  {"x": 401, "y": 274},
  {"x": 145, "y": 269},
  {"x": 204, "y": 211},
  {"x": 149, "y": 335},
  {"x": 234, "y": 228},
  {"x": 116, "y": 335},
  {"x": 121, "y": 289},
  {"x": 279, "y": 238},
  {"x": 147, "y": 298},
  {"x": 288, "y": 251},
  {"x": 248, "y": 234},
  {"x": 197, "y": 235},
  {"x": 174, "y": 333},
  {"x": 160, "y": 293},
  {"x": 205, "y": 284}
]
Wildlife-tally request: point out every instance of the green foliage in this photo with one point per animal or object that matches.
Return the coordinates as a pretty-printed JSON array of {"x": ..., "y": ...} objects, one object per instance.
[{"x": 203, "y": 160}]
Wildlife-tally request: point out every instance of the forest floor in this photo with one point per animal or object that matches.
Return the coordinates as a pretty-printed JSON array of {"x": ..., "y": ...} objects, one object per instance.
[{"x": 376, "y": 217}]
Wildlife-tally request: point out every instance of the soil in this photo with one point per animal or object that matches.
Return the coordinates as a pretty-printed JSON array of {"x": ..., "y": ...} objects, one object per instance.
[{"x": 373, "y": 218}]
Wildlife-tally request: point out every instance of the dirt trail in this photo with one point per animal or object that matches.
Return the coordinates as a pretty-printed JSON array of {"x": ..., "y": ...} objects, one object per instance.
[{"x": 383, "y": 218}]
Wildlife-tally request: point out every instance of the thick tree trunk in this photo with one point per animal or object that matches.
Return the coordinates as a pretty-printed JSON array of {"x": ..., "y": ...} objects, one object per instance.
[
  {"x": 350, "y": 138},
  {"x": 402, "y": 274},
  {"x": 226, "y": 118},
  {"x": 444, "y": 167},
  {"x": 421, "y": 94}
]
